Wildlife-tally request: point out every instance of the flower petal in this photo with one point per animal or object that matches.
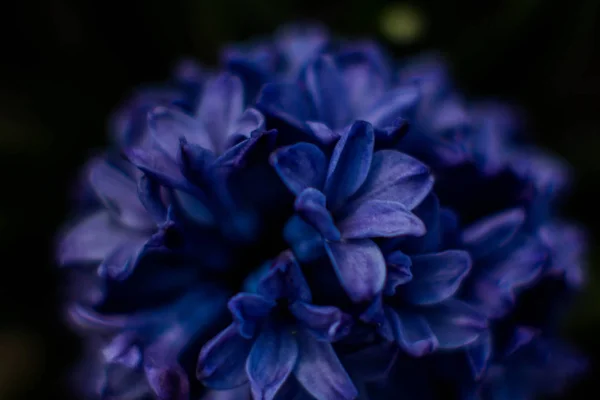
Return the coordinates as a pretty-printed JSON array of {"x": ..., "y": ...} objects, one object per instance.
[
  {"x": 397, "y": 177},
  {"x": 520, "y": 267},
  {"x": 285, "y": 281},
  {"x": 221, "y": 363},
  {"x": 300, "y": 166},
  {"x": 363, "y": 80},
  {"x": 271, "y": 361},
  {"x": 350, "y": 163},
  {"x": 325, "y": 322},
  {"x": 121, "y": 262},
  {"x": 322, "y": 132},
  {"x": 429, "y": 212},
  {"x": 299, "y": 42},
  {"x": 412, "y": 332},
  {"x": 149, "y": 193},
  {"x": 398, "y": 271},
  {"x": 320, "y": 372},
  {"x": 389, "y": 136},
  {"x": 240, "y": 393},
  {"x": 285, "y": 102},
  {"x": 479, "y": 354},
  {"x": 248, "y": 311},
  {"x": 397, "y": 103},
  {"x": 160, "y": 167},
  {"x": 250, "y": 121},
  {"x": 378, "y": 218},
  {"x": 328, "y": 92},
  {"x": 92, "y": 239},
  {"x": 305, "y": 241},
  {"x": 168, "y": 383},
  {"x": 119, "y": 193},
  {"x": 567, "y": 244},
  {"x": 220, "y": 107},
  {"x": 455, "y": 323},
  {"x": 257, "y": 147},
  {"x": 491, "y": 233},
  {"x": 436, "y": 276},
  {"x": 310, "y": 205},
  {"x": 360, "y": 267},
  {"x": 168, "y": 125}
]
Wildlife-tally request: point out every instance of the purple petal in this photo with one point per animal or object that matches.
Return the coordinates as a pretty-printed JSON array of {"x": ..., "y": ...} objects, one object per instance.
[
  {"x": 328, "y": 92},
  {"x": 221, "y": 363},
  {"x": 398, "y": 271},
  {"x": 86, "y": 318},
  {"x": 121, "y": 349},
  {"x": 286, "y": 102},
  {"x": 248, "y": 311},
  {"x": 168, "y": 383},
  {"x": 397, "y": 103},
  {"x": 522, "y": 336},
  {"x": 285, "y": 281},
  {"x": 300, "y": 166},
  {"x": 310, "y": 205},
  {"x": 121, "y": 262},
  {"x": 195, "y": 163},
  {"x": 119, "y": 193},
  {"x": 257, "y": 147},
  {"x": 377, "y": 218},
  {"x": 479, "y": 354},
  {"x": 305, "y": 241},
  {"x": 455, "y": 323},
  {"x": 363, "y": 81},
  {"x": 271, "y": 361},
  {"x": 323, "y": 133},
  {"x": 93, "y": 239},
  {"x": 250, "y": 121},
  {"x": 169, "y": 125},
  {"x": 389, "y": 136},
  {"x": 360, "y": 267},
  {"x": 520, "y": 267},
  {"x": 412, "y": 332},
  {"x": 150, "y": 195},
  {"x": 491, "y": 233},
  {"x": 429, "y": 212},
  {"x": 567, "y": 245},
  {"x": 221, "y": 106},
  {"x": 160, "y": 167},
  {"x": 350, "y": 163},
  {"x": 549, "y": 174},
  {"x": 129, "y": 125},
  {"x": 325, "y": 322},
  {"x": 489, "y": 298},
  {"x": 299, "y": 43},
  {"x": 397, "y": 177},
  {"x": 436, "y": 276},
  {"x": 240, "y": 393},
  {"x": 320, "y": 372}
]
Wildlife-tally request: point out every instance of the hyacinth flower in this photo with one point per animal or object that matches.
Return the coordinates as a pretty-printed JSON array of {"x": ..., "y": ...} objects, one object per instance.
[
  {"x": 278, "y": 335},
  {"x": 528, "y": 365},
  {"x": 352, "y": 227},
  {"x": 357, "y": 196},
  {"x": 418, "y": 308}
]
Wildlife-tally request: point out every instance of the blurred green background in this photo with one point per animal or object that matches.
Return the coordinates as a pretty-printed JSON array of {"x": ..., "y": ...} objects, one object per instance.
[{"x": 66, "y": 64}]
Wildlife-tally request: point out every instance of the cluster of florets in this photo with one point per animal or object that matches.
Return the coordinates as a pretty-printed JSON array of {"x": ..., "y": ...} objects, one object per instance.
[{"x": 314, "y": 221}]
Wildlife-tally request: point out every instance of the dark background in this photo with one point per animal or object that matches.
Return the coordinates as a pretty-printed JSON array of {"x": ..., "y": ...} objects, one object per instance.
[{"x": 66, "y": 64}]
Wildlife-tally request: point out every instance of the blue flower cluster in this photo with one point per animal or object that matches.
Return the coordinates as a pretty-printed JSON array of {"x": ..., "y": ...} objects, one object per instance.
[{"x": 315, "y": 221}]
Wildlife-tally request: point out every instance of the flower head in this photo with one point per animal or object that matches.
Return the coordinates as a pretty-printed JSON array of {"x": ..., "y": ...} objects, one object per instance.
[{"x": 314, "y": 221}]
